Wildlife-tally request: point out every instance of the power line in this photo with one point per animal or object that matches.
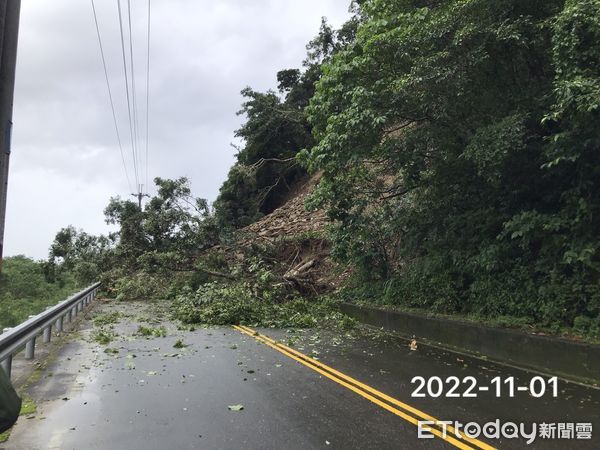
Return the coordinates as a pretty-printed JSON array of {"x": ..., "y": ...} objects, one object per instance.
[
  {"x": 131, "y": 95},
  {"x": 133, "y": 148},
  {"x": 136, "y": 125},
  {"x": 112, "y": 104},
  {"x": 148, "y": 96}
]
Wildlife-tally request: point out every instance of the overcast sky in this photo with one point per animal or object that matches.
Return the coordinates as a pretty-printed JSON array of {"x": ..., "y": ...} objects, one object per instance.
[{"x": 65, "y": 161}]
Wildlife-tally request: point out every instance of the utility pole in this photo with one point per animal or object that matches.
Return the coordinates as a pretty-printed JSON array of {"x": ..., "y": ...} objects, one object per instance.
[
  {"x": 9, "y": 33},
  {"x": 139, "y": 196}
]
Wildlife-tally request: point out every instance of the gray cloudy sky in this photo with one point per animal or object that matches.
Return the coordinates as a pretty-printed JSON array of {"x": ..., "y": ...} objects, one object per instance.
[{"x": 65, "y": 163}]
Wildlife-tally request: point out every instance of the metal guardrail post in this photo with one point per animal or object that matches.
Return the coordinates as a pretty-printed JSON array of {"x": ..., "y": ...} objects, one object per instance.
[
  {"x": 47, "y": 334},
  {"x": 7, "y": 365},
  {"x": 59, "y": 324},
  {"x": 12, "y": 340},
  {"x": 30, "y": 349}
]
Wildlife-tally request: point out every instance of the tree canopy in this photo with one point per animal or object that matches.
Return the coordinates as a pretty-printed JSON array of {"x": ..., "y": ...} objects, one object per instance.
[
  {"x": 458, "y": 149},
  {"x": 466, "y": 129}
]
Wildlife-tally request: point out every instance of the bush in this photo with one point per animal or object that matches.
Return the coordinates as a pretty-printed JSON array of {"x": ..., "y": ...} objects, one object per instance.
[{"x": 24, "y": 290}]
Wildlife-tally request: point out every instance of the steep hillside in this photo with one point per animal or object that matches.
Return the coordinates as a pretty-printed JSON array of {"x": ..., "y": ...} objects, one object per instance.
[
  {"x": 291, "y": 241},
  {"x": 290, "y": 220}
]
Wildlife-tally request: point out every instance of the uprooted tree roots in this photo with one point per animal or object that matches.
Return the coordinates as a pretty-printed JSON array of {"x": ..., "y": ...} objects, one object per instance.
[{"x": 301, "y": 265}]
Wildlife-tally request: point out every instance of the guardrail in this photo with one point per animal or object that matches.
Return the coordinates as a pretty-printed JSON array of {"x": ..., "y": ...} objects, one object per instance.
[{"x": 25, "y": 334}]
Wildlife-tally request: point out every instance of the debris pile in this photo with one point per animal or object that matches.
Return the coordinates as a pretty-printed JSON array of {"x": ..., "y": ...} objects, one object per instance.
[
  {"x": 296, "y": 241},
  {"x": 290, "y": 220}
]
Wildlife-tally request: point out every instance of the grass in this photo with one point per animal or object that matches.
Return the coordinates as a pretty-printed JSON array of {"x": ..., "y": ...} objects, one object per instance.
[{"x": 28, "y": 407}]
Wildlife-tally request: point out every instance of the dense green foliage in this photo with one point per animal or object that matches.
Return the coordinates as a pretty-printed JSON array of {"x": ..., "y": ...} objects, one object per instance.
[
  {"x": 265, "y": 167},
  {"x": 460, "y": 159},
  {"x": 276, "y": 128},
  {"x": 153, "y": 249},
  {"x": 170, "y": 226},
  {"x": 78, "y": 254},
  {"x": 222, "y": 304},
  {"x": 460, "y": 151},
  {"x": 24, "y": 290}
]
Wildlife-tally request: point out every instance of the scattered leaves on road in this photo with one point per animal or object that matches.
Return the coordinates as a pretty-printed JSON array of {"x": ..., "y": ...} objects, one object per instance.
[
  {"x": 179, "y": 344},
  {"x": 103, "y": 336},
  {"x": 235, "y": 407},
  {"x": 150, "y": 332}
]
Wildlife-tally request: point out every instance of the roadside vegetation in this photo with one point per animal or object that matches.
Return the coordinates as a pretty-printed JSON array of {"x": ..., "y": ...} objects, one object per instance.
[
  {"x": 455, "y": 151},
  {"x": 460, "y": 160},
  {"x": 25, "y": 290}
]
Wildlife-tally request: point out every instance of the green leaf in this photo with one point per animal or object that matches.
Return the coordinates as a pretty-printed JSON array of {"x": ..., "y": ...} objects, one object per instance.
[{"x": 235, "y": 407}]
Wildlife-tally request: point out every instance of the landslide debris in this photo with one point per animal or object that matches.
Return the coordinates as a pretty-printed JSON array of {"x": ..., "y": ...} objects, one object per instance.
[{"x": 289, "y": 246}]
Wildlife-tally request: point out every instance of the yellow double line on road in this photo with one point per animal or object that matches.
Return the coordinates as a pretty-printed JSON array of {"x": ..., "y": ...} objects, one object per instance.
[{"x": 407, "y": 412}]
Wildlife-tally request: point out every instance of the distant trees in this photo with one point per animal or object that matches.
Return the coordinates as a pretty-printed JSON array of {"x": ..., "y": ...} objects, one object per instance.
[
  {"x": 24, "y": 289},
  {"x": 171, "y": 221},
  {"x": 164, "y": 236},
  {"x": 79, "y": 254}
]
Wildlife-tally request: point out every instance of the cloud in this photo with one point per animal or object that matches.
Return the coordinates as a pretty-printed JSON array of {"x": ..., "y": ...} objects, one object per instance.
[{"x": 66, "y": 163}]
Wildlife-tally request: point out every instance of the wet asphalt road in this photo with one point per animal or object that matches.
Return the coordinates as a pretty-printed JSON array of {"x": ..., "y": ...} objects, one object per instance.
[{"x": 151, "y": 395}]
